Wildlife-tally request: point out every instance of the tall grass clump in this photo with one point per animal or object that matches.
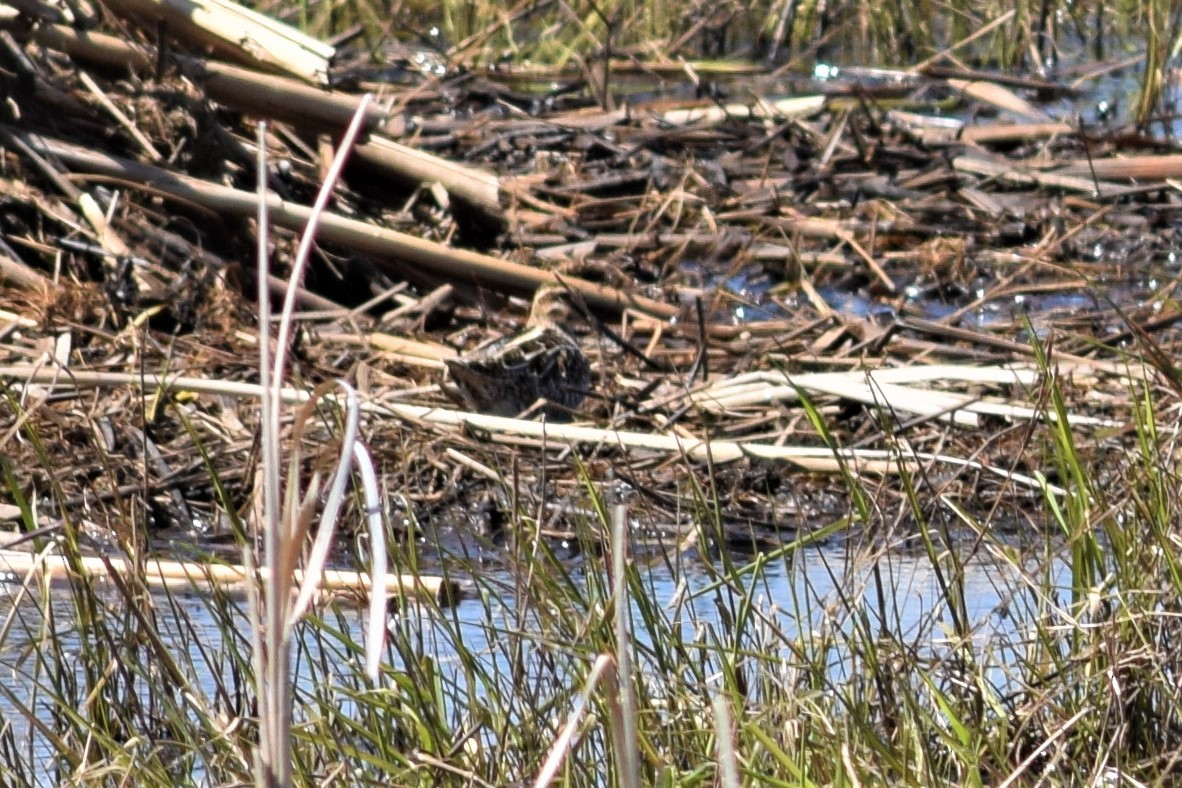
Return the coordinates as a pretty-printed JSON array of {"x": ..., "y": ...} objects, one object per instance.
[
  {"x": 1033, "y": 37},
  {"x": 1163, "y": 46}
]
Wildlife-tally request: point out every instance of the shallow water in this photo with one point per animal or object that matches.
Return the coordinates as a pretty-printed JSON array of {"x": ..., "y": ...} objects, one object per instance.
[
  {"x": 794, "y": 598},
  {"x": 798, "y": 598}
]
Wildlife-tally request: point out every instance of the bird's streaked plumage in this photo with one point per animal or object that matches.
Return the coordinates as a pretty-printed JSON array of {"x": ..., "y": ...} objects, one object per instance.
[{"x": 542, "y": 362}]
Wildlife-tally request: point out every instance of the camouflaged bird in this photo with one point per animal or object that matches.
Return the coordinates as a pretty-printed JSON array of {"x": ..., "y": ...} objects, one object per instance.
[{"x": 542, "y": 362}]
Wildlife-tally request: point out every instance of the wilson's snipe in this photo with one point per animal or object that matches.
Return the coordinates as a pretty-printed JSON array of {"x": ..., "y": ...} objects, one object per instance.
[{"x": 542, "y": 362}]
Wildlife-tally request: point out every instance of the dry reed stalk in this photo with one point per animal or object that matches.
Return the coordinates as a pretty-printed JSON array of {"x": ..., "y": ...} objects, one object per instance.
[
  {"x": 1136, "y": 168},
  {"x": 225, "y": 578},
  {"x": 712, "y": 115},
  {"x": 1015, "y": 173},
  {"x": 934, "y": 129},
  {"x": 234, "y": 32},
  {"x": 988, "y": 92},
  {"x": 994, "y": 133},
  {"x": 429, "y": 355},
  {"x": 474, "y": 187}
]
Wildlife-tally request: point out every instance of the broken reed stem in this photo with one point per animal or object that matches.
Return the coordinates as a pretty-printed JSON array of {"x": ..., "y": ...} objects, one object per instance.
[{"x": 225, "y": 578}]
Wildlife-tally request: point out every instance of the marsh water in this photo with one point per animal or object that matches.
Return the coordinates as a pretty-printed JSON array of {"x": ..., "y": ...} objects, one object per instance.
[{"x": 795, "y": 597}]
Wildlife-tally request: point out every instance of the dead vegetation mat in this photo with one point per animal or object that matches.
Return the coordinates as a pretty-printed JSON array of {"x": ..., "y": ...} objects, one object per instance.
[{"x": 860, "y": 245}]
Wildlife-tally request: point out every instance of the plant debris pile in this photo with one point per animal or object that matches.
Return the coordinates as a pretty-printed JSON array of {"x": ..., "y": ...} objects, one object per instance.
[{"x": 915, "y": 254}]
